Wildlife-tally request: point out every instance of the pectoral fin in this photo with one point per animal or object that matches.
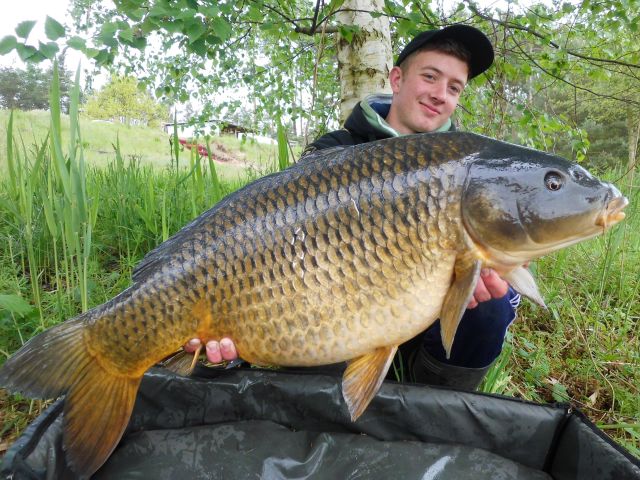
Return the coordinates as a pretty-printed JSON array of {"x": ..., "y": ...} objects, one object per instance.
[
  {"x": 466, "y": 273},
  {"x": 523, "y": 282},
  {"x": 363, "y": 378}
]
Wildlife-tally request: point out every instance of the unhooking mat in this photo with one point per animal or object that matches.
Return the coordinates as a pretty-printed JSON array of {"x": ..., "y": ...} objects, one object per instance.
[{"x": 252, "y": 423}]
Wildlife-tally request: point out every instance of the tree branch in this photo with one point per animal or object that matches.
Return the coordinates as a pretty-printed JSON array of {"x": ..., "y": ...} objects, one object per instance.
[
  {"x": 315, "y": 15},
  {"x": 601, "y": 95},
  {"x": 313, "y": 30},
  {"x": 281, "y": 14},
  {"x": 530, "y": 31}
]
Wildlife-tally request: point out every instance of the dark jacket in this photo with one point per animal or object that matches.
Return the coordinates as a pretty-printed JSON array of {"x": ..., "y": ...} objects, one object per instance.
[
  {"x": 481, "y": 332},
  {"x": 357, "y": 129}
]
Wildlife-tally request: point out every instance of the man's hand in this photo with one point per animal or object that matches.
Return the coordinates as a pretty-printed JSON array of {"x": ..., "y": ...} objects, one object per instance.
[
  {"x": 489, "y": 286},
  {"x": 216, "y": 351}
]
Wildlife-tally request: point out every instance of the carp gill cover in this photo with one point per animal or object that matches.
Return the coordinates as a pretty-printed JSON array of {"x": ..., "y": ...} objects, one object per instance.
[{"x": 341, "y": 257}]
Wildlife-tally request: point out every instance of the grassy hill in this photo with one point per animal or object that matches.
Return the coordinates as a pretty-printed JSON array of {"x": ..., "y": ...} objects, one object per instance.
[{"x": 147, "y": 145}]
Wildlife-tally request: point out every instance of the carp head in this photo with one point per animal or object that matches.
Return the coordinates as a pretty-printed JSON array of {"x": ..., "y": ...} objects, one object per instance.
[{"x": 519, "y": 204}]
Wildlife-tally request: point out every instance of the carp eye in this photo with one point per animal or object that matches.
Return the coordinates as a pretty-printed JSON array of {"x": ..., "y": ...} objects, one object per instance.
[{"x": 553, "y": 181}]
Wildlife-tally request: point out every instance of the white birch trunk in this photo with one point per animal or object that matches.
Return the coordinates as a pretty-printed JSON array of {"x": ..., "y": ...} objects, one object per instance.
[{"x": 364, "y": 63}]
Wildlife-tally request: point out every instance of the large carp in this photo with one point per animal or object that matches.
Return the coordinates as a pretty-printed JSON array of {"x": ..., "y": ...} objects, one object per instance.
[{"x": 341, "y": 257}]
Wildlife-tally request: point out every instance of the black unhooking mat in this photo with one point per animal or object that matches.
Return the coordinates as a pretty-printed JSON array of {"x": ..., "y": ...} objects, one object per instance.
[{"x": 250, "y": 423}]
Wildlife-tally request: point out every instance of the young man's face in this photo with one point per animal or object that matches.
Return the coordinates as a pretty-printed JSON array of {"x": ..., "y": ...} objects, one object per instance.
[{"x": 426, "y": 93}]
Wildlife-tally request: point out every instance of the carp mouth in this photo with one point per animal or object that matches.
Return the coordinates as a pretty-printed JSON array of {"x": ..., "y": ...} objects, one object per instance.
[{"x": 612, "y": 213}]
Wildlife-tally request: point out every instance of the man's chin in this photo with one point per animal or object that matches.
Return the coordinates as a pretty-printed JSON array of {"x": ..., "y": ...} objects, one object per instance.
[{"x": 426, "y": 127}]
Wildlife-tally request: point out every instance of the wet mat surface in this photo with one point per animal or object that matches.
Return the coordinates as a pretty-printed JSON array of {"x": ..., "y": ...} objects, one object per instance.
[{"x": 256, "y": 449}]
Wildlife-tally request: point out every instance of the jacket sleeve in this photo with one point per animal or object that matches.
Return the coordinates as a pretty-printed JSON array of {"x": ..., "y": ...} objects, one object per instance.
[{"x": 331, "y": 139}]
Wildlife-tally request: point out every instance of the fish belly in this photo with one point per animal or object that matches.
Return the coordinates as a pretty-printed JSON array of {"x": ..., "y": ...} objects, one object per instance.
[{"x": 319, "y": 326}]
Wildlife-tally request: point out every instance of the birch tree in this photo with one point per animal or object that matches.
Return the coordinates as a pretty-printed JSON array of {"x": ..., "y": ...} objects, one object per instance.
[{"x": 364, "y": 52}]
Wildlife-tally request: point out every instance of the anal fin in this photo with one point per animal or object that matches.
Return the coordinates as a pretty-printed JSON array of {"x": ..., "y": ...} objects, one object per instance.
[
  {"x": 363, "y": 377},
  {"x": 182, "y": 362}
]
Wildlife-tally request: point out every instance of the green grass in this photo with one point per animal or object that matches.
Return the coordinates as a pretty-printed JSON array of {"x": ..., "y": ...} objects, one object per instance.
[
  {"x": 585, "y": 349},
  {"x": 74, "y": 223},
  {"x": 144, "y": 145}
]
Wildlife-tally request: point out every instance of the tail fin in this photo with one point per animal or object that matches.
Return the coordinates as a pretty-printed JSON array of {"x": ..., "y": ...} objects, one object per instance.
[{"x": 98, "y": 403}]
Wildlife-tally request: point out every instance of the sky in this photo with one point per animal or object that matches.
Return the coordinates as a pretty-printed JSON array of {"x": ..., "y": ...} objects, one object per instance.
[{"x": 20, "y": 10}]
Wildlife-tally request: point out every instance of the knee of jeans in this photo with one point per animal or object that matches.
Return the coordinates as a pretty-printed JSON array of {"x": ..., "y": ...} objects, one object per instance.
[{"x": 489, "y": 317}]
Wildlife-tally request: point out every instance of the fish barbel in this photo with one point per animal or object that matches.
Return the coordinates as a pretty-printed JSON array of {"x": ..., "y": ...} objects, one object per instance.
[{"x": 341, "y": 257}]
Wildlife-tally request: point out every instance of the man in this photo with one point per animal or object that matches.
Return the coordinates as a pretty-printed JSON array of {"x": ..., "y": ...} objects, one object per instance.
[{"x": 427, "y": 81}]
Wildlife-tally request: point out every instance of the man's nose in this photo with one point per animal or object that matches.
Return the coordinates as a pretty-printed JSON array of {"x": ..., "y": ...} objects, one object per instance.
[{"x": 439, "y": 91}]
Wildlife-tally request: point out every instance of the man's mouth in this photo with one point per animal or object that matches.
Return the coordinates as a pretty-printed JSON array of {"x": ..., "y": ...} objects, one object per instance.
[{"x": 430, "y": 109}]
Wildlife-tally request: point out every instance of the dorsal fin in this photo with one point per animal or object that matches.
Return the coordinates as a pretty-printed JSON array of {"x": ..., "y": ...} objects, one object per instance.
[
  {"x": 165, "y": 251},
  {"x": 434, "y": 149}
]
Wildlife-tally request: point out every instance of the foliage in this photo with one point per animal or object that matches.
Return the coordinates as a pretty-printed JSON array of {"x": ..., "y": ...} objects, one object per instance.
[
  {"x": 264, "y": 60},
  {"x": 122, "y": 100},
  {"x": 560, "y": 70},
  {"x": 28, "y": 89},
  {"x": 243, "y": 53}
]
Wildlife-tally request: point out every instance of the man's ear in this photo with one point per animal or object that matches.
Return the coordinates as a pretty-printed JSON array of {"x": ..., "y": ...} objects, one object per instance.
[{"x": 395, "y": 77}]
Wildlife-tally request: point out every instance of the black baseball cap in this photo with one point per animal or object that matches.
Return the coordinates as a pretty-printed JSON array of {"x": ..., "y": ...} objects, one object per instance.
[{"x": 473, "y": 40}]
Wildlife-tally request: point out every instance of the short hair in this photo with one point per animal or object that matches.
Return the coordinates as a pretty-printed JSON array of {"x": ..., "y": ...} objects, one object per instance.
[{"x": 446, "y": 45}]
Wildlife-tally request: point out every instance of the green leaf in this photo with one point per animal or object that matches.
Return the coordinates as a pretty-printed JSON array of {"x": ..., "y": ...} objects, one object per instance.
[
  {"x": 49, "y": 49},
  {"x": 136, "y": 14},
  {"x": 209, "y": 11},
  {"x": 334, "y": 5},
  {"x": 24, "y": 28},
  {"x": 161, "y": 9},
  {"x": 77, "y": 43},
  {"x": 107, "y": 35},
  {"x": 7, "y": 44},
  {"x": 53, "y": 29},
  {"x": 15, "y": 304},
  {"x": 195, "y": 29},
  {"x": 283, "y": 147},
  {"x": 140, "y": 43},
  {"x": 221, "y": 28},
  {"x": 172, "y": 26},
  {"x": 103, "y": 57},
  {"x": 148, "y": 25},
  {"x": 126, "y": 36},
  {"x": 91, "y": 52},
  {"x": 348, "y": 31},
  {"x": 559, "y": 392},
  {"x": 255, "y": 14},
  {"x": 26, "y": 52},
  {"x": 199, "y": 47}
]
